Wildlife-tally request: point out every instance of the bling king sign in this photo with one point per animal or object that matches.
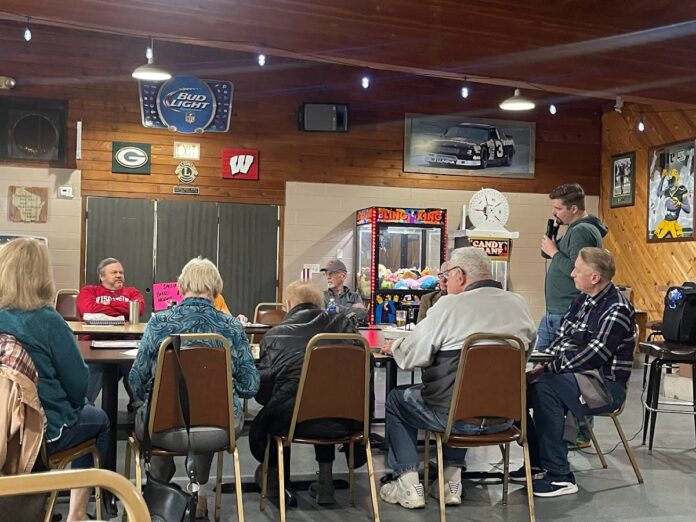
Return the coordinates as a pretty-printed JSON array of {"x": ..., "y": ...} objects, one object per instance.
[{"x": 186, "y": 104}]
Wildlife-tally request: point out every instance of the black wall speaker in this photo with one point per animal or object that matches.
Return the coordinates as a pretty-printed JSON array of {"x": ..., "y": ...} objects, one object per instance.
[
  {"x": 323, "y": 117},
  {"x": 33, "y": 130}
]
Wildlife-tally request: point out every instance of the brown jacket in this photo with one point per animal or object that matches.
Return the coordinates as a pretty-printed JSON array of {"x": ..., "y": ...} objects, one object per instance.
[{"x": 22, "y": 418}]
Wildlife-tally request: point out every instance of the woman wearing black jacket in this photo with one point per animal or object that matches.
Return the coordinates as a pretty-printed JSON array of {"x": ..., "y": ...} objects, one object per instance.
[{"x": 282, "y": 355}]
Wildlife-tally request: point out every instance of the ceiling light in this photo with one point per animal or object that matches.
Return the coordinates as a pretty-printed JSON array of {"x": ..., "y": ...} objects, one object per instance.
[
  {"x": 552, "y": 109},
  {"x": 365, "y": 82},
  {"x": 261, "y": 59},
  {"x": 465, "y": 92},
  {"x": 27, "y": 34},
  {"x": 641, "y": 125},
  {"x": 7, "y": 83},
  {"x": 517, "y": 102},
  {"x": 150, "y": 71}
]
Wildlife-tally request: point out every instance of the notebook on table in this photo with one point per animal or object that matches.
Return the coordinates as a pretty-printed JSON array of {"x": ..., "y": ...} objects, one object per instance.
[
  {"x": 103, "y": 320},
  {"x": 115, "y": 344}
]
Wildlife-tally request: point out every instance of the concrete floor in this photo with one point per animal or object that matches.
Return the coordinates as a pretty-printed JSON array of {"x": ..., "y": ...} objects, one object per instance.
[{"x": 611, "y": 494}]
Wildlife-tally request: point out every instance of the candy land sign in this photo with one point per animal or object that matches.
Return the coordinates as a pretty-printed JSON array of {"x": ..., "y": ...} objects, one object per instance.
[
  {"x": 494, "y": 248},
  {"x": 164, "y": 295}
]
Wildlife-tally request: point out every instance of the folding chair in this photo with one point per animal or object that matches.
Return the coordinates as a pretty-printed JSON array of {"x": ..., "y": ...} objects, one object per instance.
[
  {"x": 334, "y": 383},
  {"x": 208, "y": 372},
  {"x": 267, "y": 313},
  {"x": 490, "y": 384}
]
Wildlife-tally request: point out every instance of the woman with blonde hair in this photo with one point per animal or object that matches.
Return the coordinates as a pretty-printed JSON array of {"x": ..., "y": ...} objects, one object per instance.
[
  {"x": 27, "y": 313},
  {"x": 199, "y": 283}
]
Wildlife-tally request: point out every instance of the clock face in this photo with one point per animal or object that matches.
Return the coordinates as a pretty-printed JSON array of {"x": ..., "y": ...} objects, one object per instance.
[{"x": 488, "y": 208}]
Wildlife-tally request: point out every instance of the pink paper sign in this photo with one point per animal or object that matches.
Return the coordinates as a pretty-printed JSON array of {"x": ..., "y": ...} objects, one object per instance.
[{"x": 164, "y": 294}]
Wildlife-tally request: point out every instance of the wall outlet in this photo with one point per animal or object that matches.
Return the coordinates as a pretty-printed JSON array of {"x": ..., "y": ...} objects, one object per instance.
[
  {"x": 65, "y": 191},
  {"x": 339, "y": 253}
]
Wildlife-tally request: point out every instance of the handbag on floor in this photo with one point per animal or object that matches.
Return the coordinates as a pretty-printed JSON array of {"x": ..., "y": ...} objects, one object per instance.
[{"x": 167, "y": 502}]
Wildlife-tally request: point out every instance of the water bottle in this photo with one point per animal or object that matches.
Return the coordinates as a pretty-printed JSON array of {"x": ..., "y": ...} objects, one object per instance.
[{"x": 331, "y": 307}]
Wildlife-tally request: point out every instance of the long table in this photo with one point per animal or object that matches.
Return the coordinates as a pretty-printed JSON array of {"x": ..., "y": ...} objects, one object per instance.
[{"x": 82, "y": 328}]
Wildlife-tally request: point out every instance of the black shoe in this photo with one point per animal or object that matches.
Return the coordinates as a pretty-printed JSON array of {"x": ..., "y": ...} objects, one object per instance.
[{"x": 520, "y": 477}]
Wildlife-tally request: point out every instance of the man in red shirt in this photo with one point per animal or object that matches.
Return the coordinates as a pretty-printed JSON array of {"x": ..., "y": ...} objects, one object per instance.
[{"x": 112, "y": 298}]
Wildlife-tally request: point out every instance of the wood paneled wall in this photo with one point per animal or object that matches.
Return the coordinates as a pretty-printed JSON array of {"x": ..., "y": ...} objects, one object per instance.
[
  {"x": 92, "y": 71},
  {"x": 640, "y": 264}
]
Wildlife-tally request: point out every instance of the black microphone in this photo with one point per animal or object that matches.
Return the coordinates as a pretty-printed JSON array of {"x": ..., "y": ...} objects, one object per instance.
[{"x": 551, "y": 233}]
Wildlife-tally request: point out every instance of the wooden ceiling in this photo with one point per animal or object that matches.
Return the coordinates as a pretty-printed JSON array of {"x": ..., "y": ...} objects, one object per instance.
[{"x": 641, "y": 49}]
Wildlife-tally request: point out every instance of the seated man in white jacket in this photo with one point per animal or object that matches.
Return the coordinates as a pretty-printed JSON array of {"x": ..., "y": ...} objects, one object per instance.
[{"x": 474, "y": 303}]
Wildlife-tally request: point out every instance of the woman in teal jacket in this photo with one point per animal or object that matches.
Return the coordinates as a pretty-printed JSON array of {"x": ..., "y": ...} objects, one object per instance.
[{"x": 26, "y": 312}]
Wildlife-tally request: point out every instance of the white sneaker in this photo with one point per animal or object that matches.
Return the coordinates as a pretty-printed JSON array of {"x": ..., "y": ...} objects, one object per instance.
[
  {"x": 411, "y": 496},
  {"x": 453, "y": 492}
]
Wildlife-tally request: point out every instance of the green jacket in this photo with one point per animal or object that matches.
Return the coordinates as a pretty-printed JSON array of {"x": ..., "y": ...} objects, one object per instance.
[
  {"x": 62, "y": 372},
  {"x": 560, "y": 288}
]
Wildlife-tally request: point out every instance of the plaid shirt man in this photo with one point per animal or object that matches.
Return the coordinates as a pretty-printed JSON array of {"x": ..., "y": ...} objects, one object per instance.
[{"x": 597, "y": 332}]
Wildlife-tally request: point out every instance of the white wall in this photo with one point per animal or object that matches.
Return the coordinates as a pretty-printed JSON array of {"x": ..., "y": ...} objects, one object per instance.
[
  {"x": 64, "y": 224},
  {"x": 320, "y": 219}
]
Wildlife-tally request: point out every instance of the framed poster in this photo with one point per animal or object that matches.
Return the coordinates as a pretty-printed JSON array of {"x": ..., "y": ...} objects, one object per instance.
[
  {"x": 623, "y": 180},
  {"x": 459, "y": 145},
  {"x": 671, "y": 192}
]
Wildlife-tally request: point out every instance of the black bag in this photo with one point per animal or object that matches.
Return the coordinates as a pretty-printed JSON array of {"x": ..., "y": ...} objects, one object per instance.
[
  {"x": 679, "y": 318},
  {"x": 167, "y": 502}
]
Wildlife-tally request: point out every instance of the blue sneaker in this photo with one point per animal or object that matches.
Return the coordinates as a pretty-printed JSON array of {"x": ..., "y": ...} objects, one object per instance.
[
  {"x": 518, "y": 476},
  {"x": 554, "y": 485}
]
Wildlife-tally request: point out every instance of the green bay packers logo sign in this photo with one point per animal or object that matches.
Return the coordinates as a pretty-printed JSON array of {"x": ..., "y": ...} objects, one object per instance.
[
  {"x": 130, "y": 158},
  {"x": 186, "y": 172}
]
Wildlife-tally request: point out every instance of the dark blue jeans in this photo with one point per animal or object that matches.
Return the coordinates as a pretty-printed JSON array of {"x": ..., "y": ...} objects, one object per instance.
[
  {"x": 92, "y": 423},
  {"x": 548, "y": 450}
]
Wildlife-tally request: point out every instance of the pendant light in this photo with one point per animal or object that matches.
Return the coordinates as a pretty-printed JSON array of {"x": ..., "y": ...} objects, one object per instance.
[
  {"x": 150, "y": 71},
  {"x": 517, "y": 102}
]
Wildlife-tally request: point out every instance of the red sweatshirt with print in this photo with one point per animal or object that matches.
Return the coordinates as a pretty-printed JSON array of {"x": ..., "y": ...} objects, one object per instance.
[{"x": 95, "y": 299}]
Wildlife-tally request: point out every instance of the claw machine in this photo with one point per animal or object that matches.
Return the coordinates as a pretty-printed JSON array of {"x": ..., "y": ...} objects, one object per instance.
[{"x": 399, "y": 253}]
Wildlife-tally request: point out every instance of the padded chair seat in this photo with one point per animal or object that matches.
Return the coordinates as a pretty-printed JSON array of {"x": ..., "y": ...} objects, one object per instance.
[
  {"x": 310, "y": 440},
  {"x": 667, "y": 352},
  {"x": 510, "y": 435},
  {"x": 203, "y": 440},
  {"x": 55, "y": 458}
]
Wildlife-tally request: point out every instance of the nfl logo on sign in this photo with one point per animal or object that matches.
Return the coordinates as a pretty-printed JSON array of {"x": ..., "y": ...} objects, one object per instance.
[{"x": 240, "y": 164}]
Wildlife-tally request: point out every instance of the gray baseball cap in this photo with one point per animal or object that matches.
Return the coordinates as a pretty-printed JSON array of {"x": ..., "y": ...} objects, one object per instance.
[{"x": 334, "y": 265}]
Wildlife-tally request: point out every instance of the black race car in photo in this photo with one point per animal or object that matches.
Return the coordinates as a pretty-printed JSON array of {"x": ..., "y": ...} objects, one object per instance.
[{"x": 471, "y": 145}]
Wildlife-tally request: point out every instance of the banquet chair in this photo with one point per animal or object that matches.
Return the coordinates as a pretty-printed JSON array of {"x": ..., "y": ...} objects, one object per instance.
[
  {"x": 207, "y": 368},
  {"x": 132, "y": 501},
  {"x": 490, "y": 384},
  {"x": 66, "y": 304},
  {"x": 329, "y": 359}
]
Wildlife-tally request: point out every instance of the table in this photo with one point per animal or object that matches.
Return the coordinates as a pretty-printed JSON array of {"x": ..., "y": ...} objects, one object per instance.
[{"x": 82, "y": 328}]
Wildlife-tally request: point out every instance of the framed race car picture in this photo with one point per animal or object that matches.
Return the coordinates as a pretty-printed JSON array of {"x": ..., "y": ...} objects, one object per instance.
[
  {"x": 671, "y": 192},
  {"x": 462, "y": 146}
]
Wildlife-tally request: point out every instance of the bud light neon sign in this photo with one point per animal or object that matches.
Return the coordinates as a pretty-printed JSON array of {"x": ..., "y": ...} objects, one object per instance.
[{"x": 186, "y": 104}]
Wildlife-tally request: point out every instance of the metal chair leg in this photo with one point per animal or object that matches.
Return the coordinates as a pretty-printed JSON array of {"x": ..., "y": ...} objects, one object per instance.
[
  {"x": 218, "y": 485},
  {"x": 628, "y": 449},
  {"x": 648, "y": 399},
  {"x": 440, "y": 475},
  {"x": 655, "y": 403},
  {"x": 506, "y": 472},
  {"x": 351, "y": 471},
  {"x": 281, "y": 479},
  {"x": 426, "y": 465},
  {"x": 97, "y": 490},
  {"x": 693, "y": 390},
  {"x": 528, "y": 473},
  {"x": 264, "y": 475},
  {"x": 371, "y": 477},
  {"x": 237, "y": 484},
  {"x": 588, "y": 426}
]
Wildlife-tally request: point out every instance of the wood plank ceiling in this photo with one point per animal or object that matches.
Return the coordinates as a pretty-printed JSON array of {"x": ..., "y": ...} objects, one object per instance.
[{"x": 641, "y": 49}]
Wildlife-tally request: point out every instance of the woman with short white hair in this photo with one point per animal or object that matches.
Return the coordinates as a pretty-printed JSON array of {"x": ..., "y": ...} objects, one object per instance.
[{"x": 199, "y": 283}]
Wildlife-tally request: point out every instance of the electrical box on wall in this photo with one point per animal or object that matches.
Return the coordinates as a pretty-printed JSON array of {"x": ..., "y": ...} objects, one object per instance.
[{"x": 323, "y": 117}]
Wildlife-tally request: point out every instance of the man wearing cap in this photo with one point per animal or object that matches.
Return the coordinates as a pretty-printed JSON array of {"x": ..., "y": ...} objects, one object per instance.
[{"x": 345, "y": 299}]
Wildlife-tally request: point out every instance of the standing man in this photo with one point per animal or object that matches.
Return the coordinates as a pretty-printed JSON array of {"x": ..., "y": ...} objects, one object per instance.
[
  {"x": 346, "y": 300},
  {"x": 595, "y": 344},
  {"x": 568, "y": 207},
  {"x": 112, "y": 298},
  {"x": 474, "y": 303}
]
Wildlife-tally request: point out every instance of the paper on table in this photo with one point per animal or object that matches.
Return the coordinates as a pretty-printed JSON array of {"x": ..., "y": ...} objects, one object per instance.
[
  {"x": 257, "y": 325},
  {"x": 123, "y": 343},
  {"x": 131, "y": 353}
]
